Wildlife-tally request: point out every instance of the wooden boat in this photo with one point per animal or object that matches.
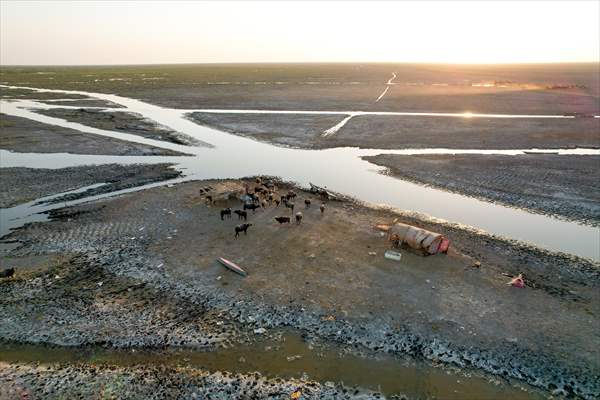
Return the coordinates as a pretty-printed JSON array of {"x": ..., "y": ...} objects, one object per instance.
[{"x": 232, "y": 266}]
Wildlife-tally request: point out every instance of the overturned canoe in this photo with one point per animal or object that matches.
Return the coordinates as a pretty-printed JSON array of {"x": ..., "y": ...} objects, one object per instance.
[{"x": 232, "y": 266}]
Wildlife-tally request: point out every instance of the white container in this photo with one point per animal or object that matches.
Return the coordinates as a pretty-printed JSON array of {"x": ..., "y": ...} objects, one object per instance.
[{"x": 393, "y": 255}]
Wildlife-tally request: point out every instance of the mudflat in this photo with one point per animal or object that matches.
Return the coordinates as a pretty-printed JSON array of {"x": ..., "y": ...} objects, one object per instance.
[
  {"x": 408, "y": 132},
  {"x": 20, "y": 185},
  {"x": 120, "y": 121},
  {"x": 27, "y": 136},
  {"x": 563, "y": 186}
]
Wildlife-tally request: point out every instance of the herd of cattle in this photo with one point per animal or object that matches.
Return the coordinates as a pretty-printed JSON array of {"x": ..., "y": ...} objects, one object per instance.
[{"x": 261, "y": 196}]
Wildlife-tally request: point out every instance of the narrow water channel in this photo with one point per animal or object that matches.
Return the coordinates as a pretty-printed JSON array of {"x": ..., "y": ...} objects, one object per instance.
[
  {"x": 386, "y": 374},
  {"x": 339, "y": 169}
]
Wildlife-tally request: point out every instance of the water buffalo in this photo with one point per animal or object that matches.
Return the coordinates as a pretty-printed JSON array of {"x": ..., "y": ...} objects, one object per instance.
[
  {"x": 242, "y": 214},
  {"x": 283, "y": 220},
  {"x": 252, "y": 207},
  {"x": 226, "y": 213},
  {"x": 242, "y": 228}
]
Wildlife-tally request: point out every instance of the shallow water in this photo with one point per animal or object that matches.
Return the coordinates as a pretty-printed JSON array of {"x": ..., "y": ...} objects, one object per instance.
[
  {"x": 386, "y": 374},
  {"x": 338, "y": 169}
]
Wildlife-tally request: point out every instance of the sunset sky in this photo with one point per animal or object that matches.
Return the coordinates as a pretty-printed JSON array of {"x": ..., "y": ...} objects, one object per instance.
[{"x": 82, "y": 32}]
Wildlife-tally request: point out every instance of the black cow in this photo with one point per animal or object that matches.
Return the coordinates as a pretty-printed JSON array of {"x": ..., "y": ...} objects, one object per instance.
[
  {"x": 298, "y": 218},
  {"x": 241, "y": 214},
  {"x": 242, "y": 228},
  {"x": 307, "y": 203},
  {"x": 283, "y": 220},
  {"x": 252, "y": 207},
  {"x": 226, "y": 213}
]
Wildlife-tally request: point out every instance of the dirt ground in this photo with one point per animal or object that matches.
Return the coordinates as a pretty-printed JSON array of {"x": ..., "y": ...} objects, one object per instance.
[
  {"x": 121, "y": 122},
  {"x": 27, "y": 136},
  {"x": 20, "y": 185},
  {"x": 319, "y": 277},
  {"x": 563, "y": 186}
]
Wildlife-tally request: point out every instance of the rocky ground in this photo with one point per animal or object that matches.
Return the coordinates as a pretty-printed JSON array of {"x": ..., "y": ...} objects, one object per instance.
[
  {"x": 320, "y": 277},
  {"x": 563, "y": 186},
  {"x": 120, "y": 121},
  {"x": 109, "y": 382},
  {"x": 20, "y": 185},
  {"x": 27, "y": 136}
]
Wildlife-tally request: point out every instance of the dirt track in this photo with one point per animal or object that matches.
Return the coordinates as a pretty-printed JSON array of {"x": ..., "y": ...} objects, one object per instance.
[{"x": 318, "y": 277}]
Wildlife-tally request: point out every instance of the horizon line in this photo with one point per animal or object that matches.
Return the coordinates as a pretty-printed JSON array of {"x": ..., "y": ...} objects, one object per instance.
[{"x": 304, "y": 62}]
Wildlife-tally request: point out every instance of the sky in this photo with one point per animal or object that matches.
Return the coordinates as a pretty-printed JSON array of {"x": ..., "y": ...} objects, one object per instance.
[{"x": 134, "y": 32}]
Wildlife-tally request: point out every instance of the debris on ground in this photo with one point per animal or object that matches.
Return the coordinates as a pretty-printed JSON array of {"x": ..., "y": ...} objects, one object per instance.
[
  {"x": 260, "y": 331},
  {"x": 383, "y": 227},
  {"x": 296, "y": 395},
  {"x": 293, "y": 358},
  {"x": 419, "y": 238},
  {"x": 518, "y": 281},
  {"x": 393, "y": 255}
]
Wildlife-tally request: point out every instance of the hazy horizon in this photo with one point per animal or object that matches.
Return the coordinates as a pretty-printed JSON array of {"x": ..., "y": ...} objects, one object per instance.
[{"x": 58, "y": 33}]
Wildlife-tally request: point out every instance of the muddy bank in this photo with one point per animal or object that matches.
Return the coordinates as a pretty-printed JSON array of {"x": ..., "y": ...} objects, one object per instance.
[
  {"x": 27, "y": 136},
  {"x": 321, "y": 277},
  {"x": 301, "y": 131},
  {"x": 83, "y": 381},
  {"x": 120, "y": 121},
  {"x": 82, "y": 103},
  {"x": 29, "y": 94},
  {"x": 466, "y": 133},
  {"x": 402, "y": 132},
  {"x": 20, "y": 185},
  {"x": 563, "y": 186}
]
